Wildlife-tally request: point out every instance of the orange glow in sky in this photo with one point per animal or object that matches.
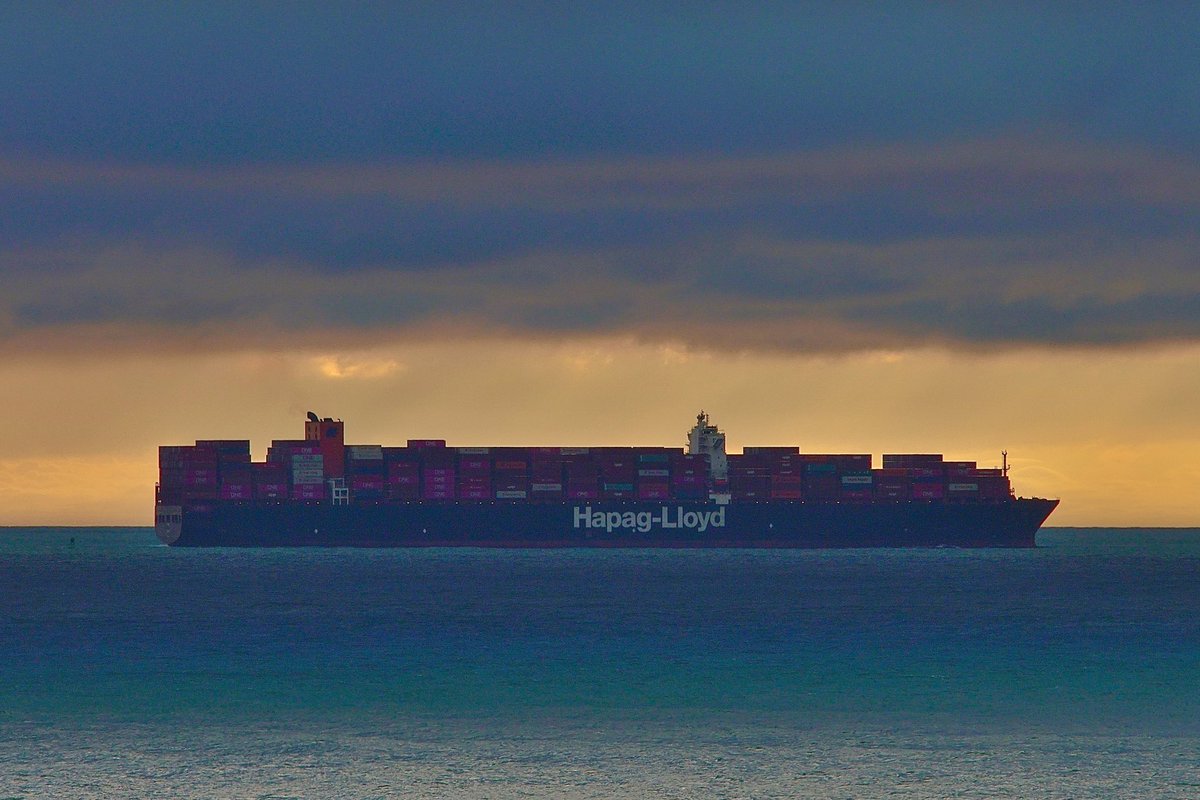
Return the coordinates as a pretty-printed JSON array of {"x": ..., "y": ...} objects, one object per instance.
[{"x": 1110, "y": 432}]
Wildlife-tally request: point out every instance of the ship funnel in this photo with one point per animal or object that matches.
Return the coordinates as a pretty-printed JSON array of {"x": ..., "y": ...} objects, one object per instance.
[{"x": 313, "y": 417}]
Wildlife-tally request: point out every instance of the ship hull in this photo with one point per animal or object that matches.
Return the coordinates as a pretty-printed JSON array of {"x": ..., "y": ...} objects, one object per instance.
[{"x": 777, "y": 524}]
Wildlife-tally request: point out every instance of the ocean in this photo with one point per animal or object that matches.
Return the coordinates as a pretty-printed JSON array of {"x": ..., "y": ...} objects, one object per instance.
[{"x": 130, "y": 669}]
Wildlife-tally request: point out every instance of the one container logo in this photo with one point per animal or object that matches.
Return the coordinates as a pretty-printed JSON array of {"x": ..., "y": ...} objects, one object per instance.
[{"x": 665, "y": 518}]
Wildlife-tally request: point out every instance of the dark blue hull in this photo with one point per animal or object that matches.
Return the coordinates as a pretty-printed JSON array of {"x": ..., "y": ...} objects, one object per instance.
[{"x": 778, "y": 523}]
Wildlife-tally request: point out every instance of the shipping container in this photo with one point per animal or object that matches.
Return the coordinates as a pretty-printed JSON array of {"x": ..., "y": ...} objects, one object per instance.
[
  {"x": 909, "y": 460},
  {"x": 237, "y": 491},
  {"x": 308, "y": 492},
  {"x": 271, "y": 491},
  {"x": 231, "y": 446},
  {"x": 402, "y": 480}
]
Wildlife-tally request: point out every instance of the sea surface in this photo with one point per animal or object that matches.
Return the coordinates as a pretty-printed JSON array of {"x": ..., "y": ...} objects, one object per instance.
[{"x": 129, "y": 669}]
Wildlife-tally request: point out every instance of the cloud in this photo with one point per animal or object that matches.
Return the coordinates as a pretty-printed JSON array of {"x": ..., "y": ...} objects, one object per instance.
[
  {"x": 202, "y": 85},
  {"x": 977, "y": 244},
  {"x": 361, "y": 368}
]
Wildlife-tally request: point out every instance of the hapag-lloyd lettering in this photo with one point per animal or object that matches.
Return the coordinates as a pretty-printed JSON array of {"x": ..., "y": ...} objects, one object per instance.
[{"x": 645, "y": 521}]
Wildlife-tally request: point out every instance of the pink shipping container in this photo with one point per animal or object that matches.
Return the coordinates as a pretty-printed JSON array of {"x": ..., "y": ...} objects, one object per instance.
[
  {"x": 308, "y": 491},
  {"x": 476, "y": 494},
  {"x": 198, "y": 478},
  {"x": 926, "y": 472},
  {"x": 237, "y": 491},
  {"x": 426, "y": 444},
  {"x": 579, "y": 493},
  {"x": 271, "y": 491}
]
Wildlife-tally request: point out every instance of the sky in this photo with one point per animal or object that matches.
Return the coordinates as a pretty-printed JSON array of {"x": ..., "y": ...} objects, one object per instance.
[{"x": 905, "y": 227}]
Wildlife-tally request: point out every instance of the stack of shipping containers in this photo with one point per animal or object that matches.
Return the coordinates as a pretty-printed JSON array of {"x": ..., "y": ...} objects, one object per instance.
[
  {"x": 474, "y": 473},
  {"x": 427, "y": 470}
]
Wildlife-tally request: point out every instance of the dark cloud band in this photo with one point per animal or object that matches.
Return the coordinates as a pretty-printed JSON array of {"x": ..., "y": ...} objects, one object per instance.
[{"x": 973, "y": 244}]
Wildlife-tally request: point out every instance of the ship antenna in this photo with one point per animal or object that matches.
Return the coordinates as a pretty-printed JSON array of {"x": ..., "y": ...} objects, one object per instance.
[{"x": 1004, "y": 456}]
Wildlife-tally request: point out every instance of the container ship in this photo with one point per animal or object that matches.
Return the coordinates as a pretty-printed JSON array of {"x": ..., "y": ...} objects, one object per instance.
[{"x": 320, "y": 491}]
